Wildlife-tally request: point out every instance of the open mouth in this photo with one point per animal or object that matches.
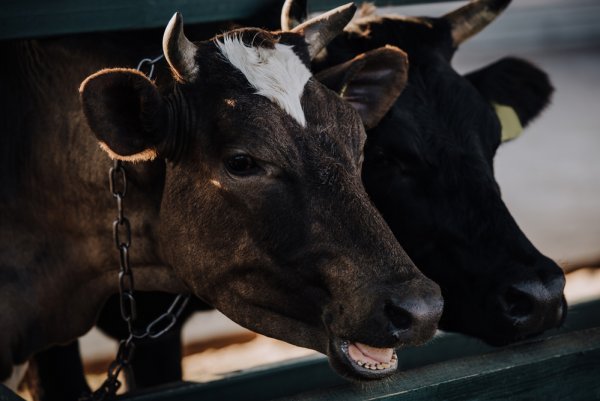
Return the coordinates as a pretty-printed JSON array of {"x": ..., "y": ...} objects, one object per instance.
[{"x": 363, "y": 362}]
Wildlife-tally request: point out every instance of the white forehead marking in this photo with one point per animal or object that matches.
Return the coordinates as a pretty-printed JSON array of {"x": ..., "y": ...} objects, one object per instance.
[{"x": 277, "y": 74}]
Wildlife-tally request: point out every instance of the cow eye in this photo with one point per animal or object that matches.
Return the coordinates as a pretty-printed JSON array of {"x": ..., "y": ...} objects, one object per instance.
[
  {"x": 379, "y": 157},
  {"x": 241, "y": 164}
]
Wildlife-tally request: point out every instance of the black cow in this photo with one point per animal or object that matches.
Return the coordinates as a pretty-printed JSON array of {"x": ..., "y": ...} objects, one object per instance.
[
  {"x": 429, "y": 169},
  {"x": 246, "y": 193}
]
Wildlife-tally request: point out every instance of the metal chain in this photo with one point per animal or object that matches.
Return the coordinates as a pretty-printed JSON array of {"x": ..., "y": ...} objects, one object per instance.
[
  {"x": 122, "y": 239},
  {"x": 151, "y": 63}
]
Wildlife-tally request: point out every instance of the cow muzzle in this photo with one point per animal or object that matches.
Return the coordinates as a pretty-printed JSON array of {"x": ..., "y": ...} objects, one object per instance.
[
  {"x": 530, "y": 307},
  {"x": 364, "y": 338},
  {"x": 527, "y": 306}
]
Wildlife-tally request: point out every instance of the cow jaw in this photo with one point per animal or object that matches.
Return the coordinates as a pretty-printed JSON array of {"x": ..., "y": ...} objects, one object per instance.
[
  {"x": 360, "y": 361},
  {"x": 370, "y": 358}
]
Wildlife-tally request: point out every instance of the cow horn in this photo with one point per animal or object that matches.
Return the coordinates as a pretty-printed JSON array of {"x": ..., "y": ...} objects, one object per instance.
[
  {"x": 293, "y": 13},
  {"x": 468, "y": 20},
  {"x": 321, "y": 30},
  {"x": 179, "y": 51}
]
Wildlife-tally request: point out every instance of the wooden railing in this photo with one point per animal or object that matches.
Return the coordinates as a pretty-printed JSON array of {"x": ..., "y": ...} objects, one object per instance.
[
  {"x": 38, "y": 18},
  {"x": 563, "y": 364}
]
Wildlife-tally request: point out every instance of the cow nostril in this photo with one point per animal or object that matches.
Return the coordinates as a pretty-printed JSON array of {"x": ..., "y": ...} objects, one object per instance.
[
  {"x": 399, "y": 317},
  {"x": 518, "y": 303}
]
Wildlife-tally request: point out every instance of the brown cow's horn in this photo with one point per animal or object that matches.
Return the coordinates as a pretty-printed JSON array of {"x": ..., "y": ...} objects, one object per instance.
[
  {"x": 179, "y": 51},
  {"x": 468, "y": 20},
  {"x": 293, "y": 13},
  {"x": 321, "y": 30}
]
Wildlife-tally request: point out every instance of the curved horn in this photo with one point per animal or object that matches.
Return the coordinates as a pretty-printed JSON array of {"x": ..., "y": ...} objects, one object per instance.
[
  {"x": 179, "y": 51},
  {"x": 321, "y": 30},
  {"x": 293, "y": 13},
  {"x": 468, "y": 20}
]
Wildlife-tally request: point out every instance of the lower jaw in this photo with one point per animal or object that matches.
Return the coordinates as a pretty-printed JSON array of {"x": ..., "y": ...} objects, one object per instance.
[{"x": 344, "y": 365}]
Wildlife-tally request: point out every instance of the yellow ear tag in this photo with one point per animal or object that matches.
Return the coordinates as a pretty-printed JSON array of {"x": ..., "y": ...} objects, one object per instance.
[{"x": 509, "y": 120}]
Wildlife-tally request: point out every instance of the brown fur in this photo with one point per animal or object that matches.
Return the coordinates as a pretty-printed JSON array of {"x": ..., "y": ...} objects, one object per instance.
[{"x": 281, "y": 250}]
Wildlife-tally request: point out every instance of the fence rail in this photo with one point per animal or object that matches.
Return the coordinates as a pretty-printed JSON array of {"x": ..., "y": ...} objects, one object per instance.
[
  {"x": 563, "y": 365},
  {"x": 40, "y": 18}
]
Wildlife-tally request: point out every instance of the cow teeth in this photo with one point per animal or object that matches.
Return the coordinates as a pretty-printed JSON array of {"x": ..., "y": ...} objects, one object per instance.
[
  {"x": 376, "y": 366},
  {"x": 369, "y": 365}
]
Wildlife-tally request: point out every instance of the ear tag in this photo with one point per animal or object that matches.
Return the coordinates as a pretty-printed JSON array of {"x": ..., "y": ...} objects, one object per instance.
[{"x": 509, "y": 120}]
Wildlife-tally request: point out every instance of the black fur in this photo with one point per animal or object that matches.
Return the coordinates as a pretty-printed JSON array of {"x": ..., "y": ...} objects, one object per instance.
[
  {"x": 516, "y": 83},
  {"x": 429, "y": 169}
]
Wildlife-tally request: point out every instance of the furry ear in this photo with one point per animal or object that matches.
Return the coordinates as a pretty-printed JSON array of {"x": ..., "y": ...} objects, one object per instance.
[
  {"x": 371, "y": 82},
  {"x": 514, "y": 83},
  {"x": 126, "y": 113}
]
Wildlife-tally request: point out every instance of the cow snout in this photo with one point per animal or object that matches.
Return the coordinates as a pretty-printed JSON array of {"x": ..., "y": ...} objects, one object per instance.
[
  {"x": 367, "y": 330},
  {"x": 406, "y": 314},
  {"x": 532, "y": 306},
  {"x": 413, "y": 320},
  {"x": 393, "y": 315}
]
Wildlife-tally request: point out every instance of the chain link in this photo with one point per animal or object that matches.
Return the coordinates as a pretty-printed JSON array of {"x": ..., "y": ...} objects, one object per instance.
[
  {"x": 150, "y": 62},
  {"x": 122, "y": 239}
]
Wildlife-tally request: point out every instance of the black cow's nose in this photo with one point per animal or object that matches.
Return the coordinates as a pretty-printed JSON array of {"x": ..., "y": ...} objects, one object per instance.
[
  {"x": 532, "y": 306},
  {"x": 519, "y": 301}
]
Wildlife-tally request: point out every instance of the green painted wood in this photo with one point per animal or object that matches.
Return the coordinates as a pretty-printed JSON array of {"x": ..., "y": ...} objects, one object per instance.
[
  {"x": 273, "y": 381},
  {"x": 565, "y": 368},
  {"x": 7, "y": 395},
  {"x": 442, "y": 360},
  {"x": 37, "y": 18}
]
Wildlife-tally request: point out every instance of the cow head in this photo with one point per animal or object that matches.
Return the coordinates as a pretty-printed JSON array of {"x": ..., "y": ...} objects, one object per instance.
[
  {"x": 263, "y": 213},
  {"x": 429, "y": 170}
]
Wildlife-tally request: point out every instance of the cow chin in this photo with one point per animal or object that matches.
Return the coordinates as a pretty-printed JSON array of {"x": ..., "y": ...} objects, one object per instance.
[
  {"x": 352, "y": 360},
  {"x": 499, "y": 331},
  {"x": 356, "y": 361}
]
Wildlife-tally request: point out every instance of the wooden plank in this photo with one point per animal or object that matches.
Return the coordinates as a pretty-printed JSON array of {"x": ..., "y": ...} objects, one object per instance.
[
  {"x": 38, "y": 18},
  {"x": 565, "y": 367},
  {"x": 258, "y": 384},
  {"x": 295, "y": 377}
]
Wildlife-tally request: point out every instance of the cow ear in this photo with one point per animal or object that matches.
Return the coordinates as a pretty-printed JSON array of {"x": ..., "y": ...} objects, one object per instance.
[
  {"x": 371, "y": 82},
  {"x": 516, "y": 88},
  {"x": 126, "y": 113}
]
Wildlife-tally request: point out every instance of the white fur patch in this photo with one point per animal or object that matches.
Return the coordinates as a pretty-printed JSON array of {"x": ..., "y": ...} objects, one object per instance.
[{"x": 277, "y": 74}]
